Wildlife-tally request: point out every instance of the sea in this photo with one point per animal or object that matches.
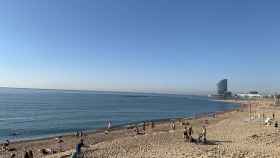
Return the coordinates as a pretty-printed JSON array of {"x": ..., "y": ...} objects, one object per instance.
[{"x": 41, "y": 113}]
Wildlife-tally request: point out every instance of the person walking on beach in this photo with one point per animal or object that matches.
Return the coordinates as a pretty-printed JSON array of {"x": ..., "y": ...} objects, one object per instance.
[
  {"x": 109, "y": 124},
  {"x": 144, "y": 126}
]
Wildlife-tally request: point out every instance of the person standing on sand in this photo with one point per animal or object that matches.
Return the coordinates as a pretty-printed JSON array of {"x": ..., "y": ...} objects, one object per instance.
[
  {"x": 204, "y": 134},
  {"x": 26, "y": 155},
  {"x": 190, "y": 132},
  {"x": 172, "y": 125},
  {"x": 186, "y": 136},
  {"x": 30, "y": 154},
  {"x": 144, "y": 126},
  {"x": 81, "y": 134},
  {"x": 109, "y": 124},
  {"x": 78, "y": 153}
]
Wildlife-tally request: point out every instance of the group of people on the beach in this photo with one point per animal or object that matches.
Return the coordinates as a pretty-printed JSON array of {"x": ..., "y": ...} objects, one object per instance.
[
  {"x": 79, "y": 134},
  {"x": 5, "y": 146},
  {"x": 144, "y": 126},
  {"x": 269, "y": 121},
  {"x": 29, "y": 153},
  {"x": 188, "y": 131},
  {"x": 188, "y": 134}
]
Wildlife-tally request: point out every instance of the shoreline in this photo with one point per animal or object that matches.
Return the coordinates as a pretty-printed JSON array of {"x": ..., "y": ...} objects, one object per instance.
[
  {"x": 116, "y": 132},
  {"x": 128, "y": 125},
  {"x": 122, "y": 126}
]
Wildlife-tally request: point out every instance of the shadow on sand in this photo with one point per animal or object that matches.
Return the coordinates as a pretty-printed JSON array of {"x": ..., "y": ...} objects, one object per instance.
[{"x": 213, "y": 142}]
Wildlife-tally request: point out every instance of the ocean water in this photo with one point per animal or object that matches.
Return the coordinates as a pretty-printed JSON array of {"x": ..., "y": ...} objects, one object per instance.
[{"x": 33, "y": 113}]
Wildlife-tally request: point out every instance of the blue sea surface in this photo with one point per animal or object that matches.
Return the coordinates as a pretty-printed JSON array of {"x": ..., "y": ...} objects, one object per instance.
[{"x": 35, "y": 113}]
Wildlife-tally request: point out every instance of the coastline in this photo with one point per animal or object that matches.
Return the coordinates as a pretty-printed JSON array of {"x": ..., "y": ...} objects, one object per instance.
[
  {"x": 119, "y": 131},
  {"x": 125, "y": 125}
]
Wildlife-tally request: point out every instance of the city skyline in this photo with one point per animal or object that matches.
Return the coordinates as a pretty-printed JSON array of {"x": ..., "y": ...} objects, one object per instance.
[{"x": 142, "y": 46}]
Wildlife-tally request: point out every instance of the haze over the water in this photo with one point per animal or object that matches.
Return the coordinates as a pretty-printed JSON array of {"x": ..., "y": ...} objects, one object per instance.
[{"x": 130, "y": 45}]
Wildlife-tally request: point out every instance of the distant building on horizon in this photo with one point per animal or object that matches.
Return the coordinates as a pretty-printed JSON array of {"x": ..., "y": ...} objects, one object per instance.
[
  {"x": 250, "y": 95},
  {"x": 222, "y": 90},
  {"x": 222, "y": 87}
]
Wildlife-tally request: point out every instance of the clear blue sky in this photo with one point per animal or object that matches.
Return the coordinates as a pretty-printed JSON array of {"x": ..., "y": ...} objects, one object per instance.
[{"x": 142, "y": 45}]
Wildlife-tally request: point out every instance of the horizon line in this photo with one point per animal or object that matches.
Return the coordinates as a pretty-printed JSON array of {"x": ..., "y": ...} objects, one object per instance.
[{"x": 113, "y": 91}]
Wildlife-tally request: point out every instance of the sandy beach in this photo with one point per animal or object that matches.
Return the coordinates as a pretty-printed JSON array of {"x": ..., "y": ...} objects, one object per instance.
[{"x": 236, "y": 133}]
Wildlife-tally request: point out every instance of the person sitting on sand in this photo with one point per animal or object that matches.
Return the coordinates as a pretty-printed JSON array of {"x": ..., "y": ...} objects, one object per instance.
[
  {"x": 106, "y": 132},
  {"x": 268, "y": 121},
  {"x": 60, "y": 144},
  {"x": 46, "y": 151},
  {"x": 182, "y": 123},
  {"x": 276, "y": 124},
  {"x": 200, "y": 135},
  {"x": 7, "y": 142},
  {"x": 6, "y": 145},
  {"x": 13, "y": 155},
  {"x": 137, "y": 130}
]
